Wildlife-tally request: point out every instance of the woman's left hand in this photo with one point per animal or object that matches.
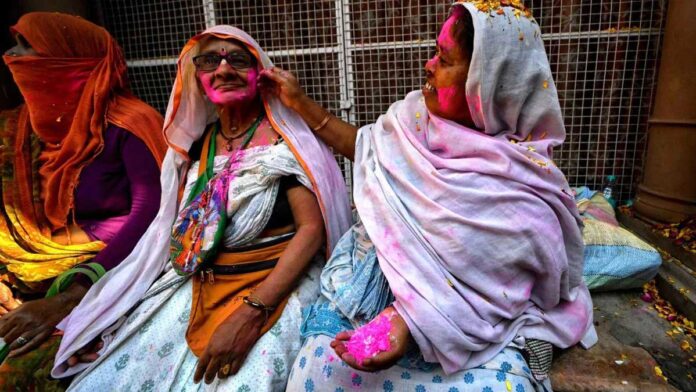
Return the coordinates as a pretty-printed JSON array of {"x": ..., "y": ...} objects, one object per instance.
[
  {"x": 230, "y": 344},
  {"x": 399, "y": 338},
  {"x": 34, "y": 321}
]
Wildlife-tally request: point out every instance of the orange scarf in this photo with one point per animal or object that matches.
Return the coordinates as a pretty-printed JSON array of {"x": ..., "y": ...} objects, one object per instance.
[{"x": 72, "y": 89}]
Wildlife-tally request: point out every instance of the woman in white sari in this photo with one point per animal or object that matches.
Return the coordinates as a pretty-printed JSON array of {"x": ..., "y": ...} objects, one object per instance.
[
  {"x": 468, "y": 240},
  {"x": 256, "y": 194}
]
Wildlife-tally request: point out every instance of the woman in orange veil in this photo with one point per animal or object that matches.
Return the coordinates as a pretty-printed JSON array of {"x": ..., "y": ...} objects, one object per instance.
[{"x": 80, "y": 181}]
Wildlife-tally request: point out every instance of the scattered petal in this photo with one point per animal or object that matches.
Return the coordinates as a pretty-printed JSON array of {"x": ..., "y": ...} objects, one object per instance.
[
  {"x": 686, "y": 346},
  {"x": 658, "y": 373}
]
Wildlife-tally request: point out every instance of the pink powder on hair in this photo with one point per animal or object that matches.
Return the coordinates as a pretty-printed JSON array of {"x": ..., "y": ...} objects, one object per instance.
[{"x": 370, "y": 339}]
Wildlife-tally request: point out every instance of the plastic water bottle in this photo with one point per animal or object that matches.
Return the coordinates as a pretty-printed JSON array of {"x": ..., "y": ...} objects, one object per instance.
[{"x": 608, "y": 190}]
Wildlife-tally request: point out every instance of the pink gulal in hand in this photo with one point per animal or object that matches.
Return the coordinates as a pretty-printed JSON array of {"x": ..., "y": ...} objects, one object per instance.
[{"x": 370, "y": 339}]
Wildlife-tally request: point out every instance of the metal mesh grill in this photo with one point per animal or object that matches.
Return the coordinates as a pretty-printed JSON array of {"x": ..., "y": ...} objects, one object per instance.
[
  {"x": 604, "y": 57},
  {"x": 356, "y": 57}
]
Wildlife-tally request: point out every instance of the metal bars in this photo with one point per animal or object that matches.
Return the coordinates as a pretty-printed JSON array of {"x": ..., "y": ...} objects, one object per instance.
[{"x": 356, "y": 57}]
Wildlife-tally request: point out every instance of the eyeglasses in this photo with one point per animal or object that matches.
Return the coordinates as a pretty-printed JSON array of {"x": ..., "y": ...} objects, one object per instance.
[{"x": 211, "y": 61}]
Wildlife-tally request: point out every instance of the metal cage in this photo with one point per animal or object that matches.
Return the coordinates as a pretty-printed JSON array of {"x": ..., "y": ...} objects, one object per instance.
[{"x": 356, "y": 57}]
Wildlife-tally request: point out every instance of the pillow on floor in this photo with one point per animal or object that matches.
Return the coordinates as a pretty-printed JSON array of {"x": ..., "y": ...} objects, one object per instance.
[{"x": 615, "y": 258}]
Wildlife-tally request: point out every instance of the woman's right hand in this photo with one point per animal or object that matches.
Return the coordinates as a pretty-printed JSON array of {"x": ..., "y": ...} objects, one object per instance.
[
  {"x": 399, "y": 337},
  {"x": 282, "y": 84},
  {"x": 230, "y": 344}
]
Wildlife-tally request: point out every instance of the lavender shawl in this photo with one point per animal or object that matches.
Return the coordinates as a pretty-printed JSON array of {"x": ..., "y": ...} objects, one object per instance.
[{"x": 476, "y": 231}]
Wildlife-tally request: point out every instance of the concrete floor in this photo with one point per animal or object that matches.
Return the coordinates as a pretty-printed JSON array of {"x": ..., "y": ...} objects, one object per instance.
[{"x": 631, "y": 333}]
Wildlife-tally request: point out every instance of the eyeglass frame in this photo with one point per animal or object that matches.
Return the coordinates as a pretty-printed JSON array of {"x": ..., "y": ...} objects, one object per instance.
[{"x": 227, "y": 56}]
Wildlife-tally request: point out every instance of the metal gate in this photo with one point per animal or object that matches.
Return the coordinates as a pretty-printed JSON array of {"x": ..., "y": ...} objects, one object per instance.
[{"x": 357, "y": 57}]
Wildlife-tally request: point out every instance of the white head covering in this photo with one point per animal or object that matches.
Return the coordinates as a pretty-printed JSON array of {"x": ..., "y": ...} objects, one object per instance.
[
  {"x": 477, "y": 231},
  {"x": 189, "y": 112},
  {"x": 187, "y": 115}
]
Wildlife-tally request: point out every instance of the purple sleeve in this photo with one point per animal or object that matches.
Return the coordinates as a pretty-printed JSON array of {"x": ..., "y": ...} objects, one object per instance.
[{"x": 143, "y": 176}]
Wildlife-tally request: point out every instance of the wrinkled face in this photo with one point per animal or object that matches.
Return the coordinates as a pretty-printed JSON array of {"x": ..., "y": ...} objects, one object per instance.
[
  {"x": 446, "y": 74},
  {"x": 22, "y": 48},
  {"x": 227, "y": 85}
]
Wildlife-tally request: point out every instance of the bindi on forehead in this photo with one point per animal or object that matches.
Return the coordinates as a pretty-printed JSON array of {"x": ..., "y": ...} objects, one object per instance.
[{"x": 221, "y": 46}]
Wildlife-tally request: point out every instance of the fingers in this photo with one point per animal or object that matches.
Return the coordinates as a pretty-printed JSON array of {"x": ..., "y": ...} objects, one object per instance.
[
  {"x": 33, "y": 343},
  {"x": 225, "y": 368},
  {"x": 272, "y": 74},
  {"x": 273, "y": 79},
  {"x": 6, "y": 325},
  {"x": 89, "y": 357},
  {"x": 86, "y": 354},
  {"x": 12, "y": 334},
  {"x": 236, "y": 365},
  {"x": 12, "y": 304},
  {"x": 224, "y": 371},
  {"x": 200, "y": 368},
  {"x": 17, "y": 338},
  {"x": 378, "y": 362},
  {"x": 350, "y": 360},
  {"x": 344, "y": 335},
  {"x": 73, "y": 360},
  {"x": 212, "y": 370}
]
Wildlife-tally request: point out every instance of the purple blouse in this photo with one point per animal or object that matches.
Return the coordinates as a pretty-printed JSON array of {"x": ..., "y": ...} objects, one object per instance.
[{"x": 118, "y": 195}]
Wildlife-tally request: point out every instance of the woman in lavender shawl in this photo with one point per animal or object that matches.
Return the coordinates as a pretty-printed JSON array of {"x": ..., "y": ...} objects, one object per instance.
[{"x": 467, "y": 239}]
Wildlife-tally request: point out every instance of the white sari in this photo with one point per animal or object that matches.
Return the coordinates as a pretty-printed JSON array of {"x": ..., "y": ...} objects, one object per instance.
[
  {"x": 148, "y": 350},
  {"x": 110, "y": 300}
]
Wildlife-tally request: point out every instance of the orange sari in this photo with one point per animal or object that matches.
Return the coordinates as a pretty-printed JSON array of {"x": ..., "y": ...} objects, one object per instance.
[{"x": 74, "y": 86}]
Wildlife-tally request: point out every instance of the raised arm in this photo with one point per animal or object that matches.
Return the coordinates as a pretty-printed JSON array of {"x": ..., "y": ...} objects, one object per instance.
[{"x": 333, "y": 131}]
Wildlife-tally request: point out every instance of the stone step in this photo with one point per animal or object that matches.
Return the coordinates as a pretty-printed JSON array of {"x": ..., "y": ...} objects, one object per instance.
[{"x": 632, "y": 333}]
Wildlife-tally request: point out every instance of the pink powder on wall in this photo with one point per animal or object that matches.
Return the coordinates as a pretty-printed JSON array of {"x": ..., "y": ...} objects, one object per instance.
[{"x": 370, "y": 339}]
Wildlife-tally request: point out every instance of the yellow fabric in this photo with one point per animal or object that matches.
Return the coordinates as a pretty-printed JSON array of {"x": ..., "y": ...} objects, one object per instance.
[
  {"x": 31, "y": 256},
  {"x": 26, "y": 248}
]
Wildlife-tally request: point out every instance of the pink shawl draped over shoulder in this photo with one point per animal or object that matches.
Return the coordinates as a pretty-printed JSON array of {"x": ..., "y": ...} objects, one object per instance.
[{"x": 477, "y": 231}]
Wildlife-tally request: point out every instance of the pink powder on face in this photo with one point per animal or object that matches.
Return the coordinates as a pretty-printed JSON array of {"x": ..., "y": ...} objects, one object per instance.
[
  {"x": 446, "y": 40},
  {"x": 224, "y": 97},
  {"x": 370, "y": 339},
  {"x": 447, "y": 98}
]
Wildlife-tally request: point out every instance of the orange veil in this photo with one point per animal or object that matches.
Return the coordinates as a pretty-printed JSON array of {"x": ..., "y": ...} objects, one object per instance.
[
  {"x": 75, "y": 85},
  {"x": 72, "y": 88}
]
